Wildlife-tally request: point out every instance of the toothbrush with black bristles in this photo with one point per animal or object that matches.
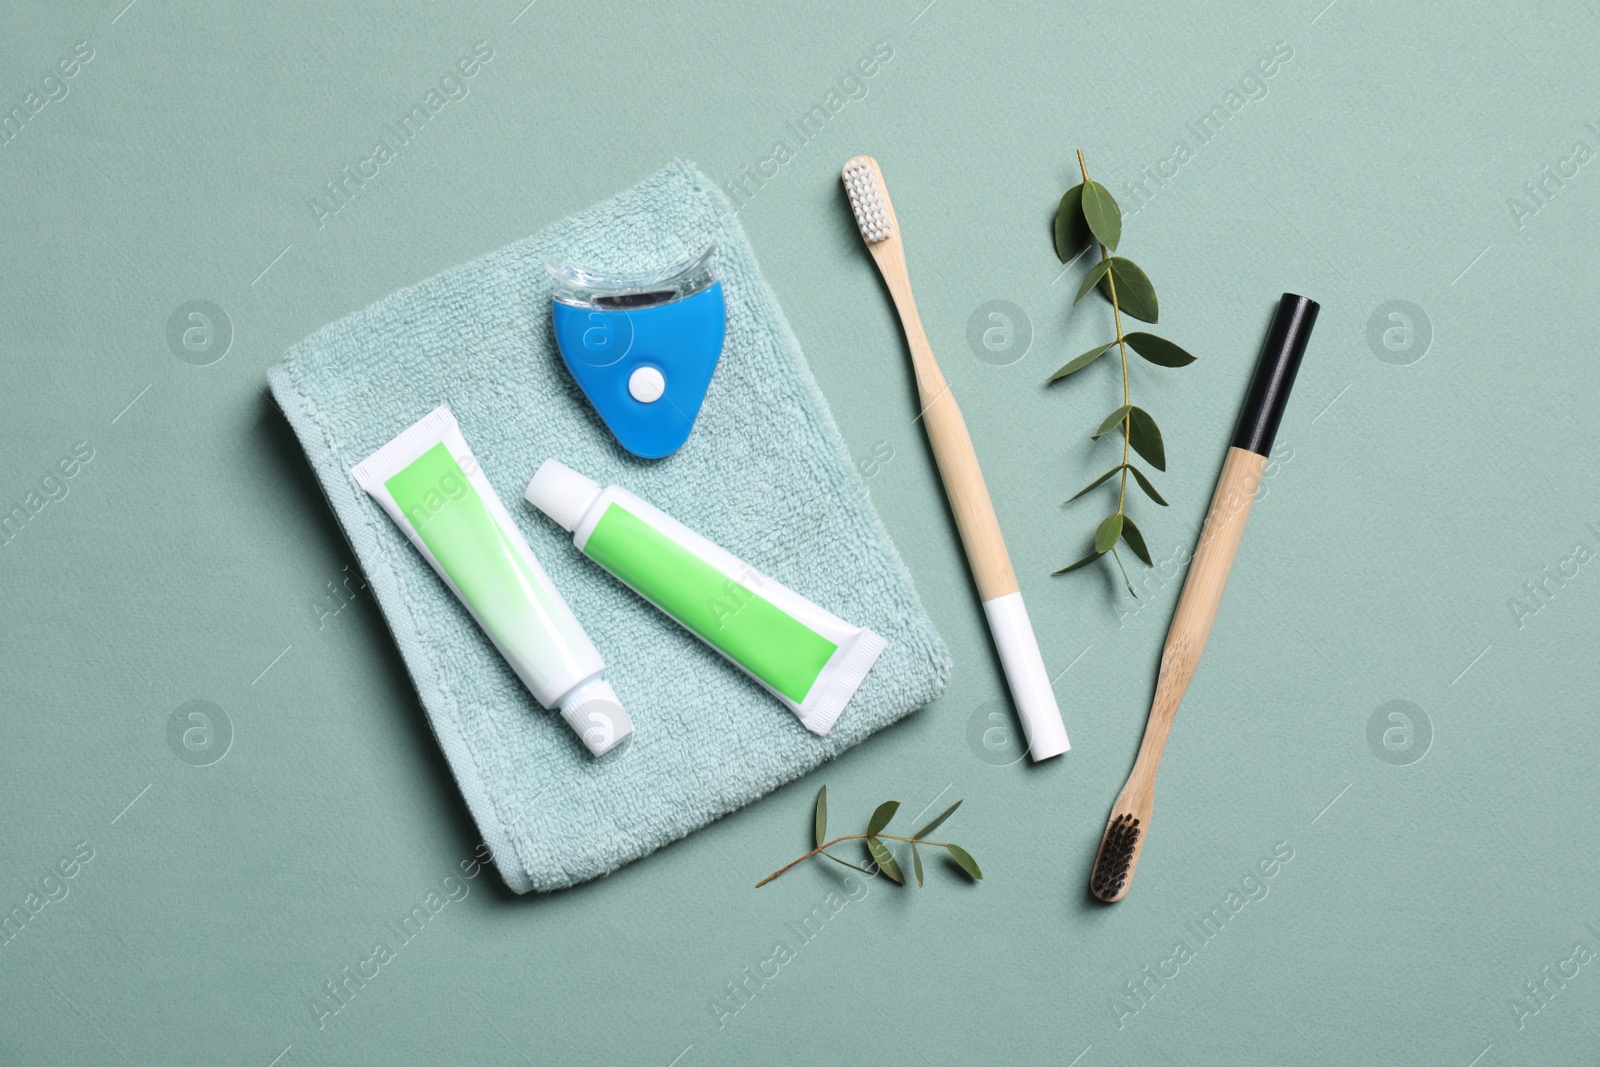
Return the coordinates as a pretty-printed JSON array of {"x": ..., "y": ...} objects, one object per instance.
[{"x": 1129, "y": 823}]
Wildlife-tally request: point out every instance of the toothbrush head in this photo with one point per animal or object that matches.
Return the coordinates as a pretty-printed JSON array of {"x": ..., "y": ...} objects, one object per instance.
[
  {"x": 1118, "y": 852},
  {"x": 868, "y": 199}
]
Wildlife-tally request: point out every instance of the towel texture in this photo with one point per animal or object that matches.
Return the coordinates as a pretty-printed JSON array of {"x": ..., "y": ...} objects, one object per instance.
[{"x": 765, "y": 474}]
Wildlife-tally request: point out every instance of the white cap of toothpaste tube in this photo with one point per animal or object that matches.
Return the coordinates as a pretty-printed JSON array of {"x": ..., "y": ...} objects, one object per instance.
[
  {"x": 561, "y": 493},
  {"x": 596, "y": 716}
]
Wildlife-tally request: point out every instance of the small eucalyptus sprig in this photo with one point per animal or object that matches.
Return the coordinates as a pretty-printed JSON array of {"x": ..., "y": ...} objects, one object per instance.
[
  {"x": 876, "y": 849},
  {"x": 1089, "y": 215}
]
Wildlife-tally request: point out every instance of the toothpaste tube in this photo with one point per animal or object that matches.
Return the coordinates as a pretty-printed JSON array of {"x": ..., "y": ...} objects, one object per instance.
[
  {"x": 430, "y": 484},
  {"x": 810, "y": 659}
]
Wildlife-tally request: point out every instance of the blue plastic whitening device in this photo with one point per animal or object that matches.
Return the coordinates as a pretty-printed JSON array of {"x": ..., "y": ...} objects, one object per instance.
[{"x": 642, "y": 347}]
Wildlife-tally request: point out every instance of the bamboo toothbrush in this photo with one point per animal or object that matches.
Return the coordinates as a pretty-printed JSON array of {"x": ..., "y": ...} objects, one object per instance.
[
  {"x": 963, "y": 479},
  {"x": 1202, "y": 589}
]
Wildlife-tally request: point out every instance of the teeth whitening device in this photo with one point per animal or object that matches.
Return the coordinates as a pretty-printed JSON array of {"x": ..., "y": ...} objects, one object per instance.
[{"x": 642, "y": 347}]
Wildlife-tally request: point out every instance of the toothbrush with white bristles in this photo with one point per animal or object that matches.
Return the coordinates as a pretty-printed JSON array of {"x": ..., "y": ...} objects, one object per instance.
[{"x": 963, "y": 479}]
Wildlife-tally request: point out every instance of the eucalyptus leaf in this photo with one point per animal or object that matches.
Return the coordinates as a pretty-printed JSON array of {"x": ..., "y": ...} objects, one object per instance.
[
  {"x": 1135, "y": 295},
  {"x": 1105, "y": 537},
  {"x": 1135, "y": 539},
  {"x": 885, "y": 860},
  {"x": 1096, "y": 274},
  {"x": 1071, "y": 228},
  {"x": 1100, "y": 210},
  {"x": 847, "y": 863},
  {"x": 964, "y": 858},
  {"x": 822, "y": 815},
  {"x": 1085, "y": 489},
  {"x": 881, "y": 817},
  {"x": 1145, "y": 437},
  {"x": 934, "y": 825},
  {"x": 1112, "y": 421},
  {"x": 1084, "y": 562},
  {"x": 1144, "y": 483},
  {"x": 916, "y": 864},
  {"x": 1082, "y": 361},
  {"x": 1158, "y": 350}
]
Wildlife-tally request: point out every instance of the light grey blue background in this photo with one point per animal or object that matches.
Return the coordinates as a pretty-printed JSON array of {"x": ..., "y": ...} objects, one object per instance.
[{"x": 1416, "y": 493}]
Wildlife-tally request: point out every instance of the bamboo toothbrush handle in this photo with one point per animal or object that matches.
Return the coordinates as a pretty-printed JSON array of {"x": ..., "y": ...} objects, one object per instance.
[
  {"x": 1202, "y": 590},
  {"x": 969, "y": 497},
  {"x": 1014, "y": 639},
  {"x": 1236, "y": 489},
  {"x": 990, "y": 564},
  {"x": 949, "y": 439}
]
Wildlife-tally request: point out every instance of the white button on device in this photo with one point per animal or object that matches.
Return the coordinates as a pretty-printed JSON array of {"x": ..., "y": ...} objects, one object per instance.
[{"x": 646, "y": 385}]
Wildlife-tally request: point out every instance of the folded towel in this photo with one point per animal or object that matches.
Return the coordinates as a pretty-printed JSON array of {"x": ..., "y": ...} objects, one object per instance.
[{"x": 765, "y": 474}]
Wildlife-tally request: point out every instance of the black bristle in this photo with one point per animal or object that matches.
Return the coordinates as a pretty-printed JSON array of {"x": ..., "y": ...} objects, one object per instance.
[{"x": 1116, "y": 854}]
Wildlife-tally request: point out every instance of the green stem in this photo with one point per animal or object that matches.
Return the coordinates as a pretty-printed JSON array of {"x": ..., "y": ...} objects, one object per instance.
[
  {"x": 820, "y": 850},
  {"x": 1127, "y": 400},
  {"x": 1125, "y": 579},
  {"x": 1122, "y": 350}
]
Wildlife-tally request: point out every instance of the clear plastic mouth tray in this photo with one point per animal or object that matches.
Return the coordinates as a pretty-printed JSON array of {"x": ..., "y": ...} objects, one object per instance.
[
  {"x": 588, "y": 289},
  {"x": 642, "y": 347}
]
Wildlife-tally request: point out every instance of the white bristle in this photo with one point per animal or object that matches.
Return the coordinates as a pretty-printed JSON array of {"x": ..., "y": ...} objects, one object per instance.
[{"x": 866, "y": 200}]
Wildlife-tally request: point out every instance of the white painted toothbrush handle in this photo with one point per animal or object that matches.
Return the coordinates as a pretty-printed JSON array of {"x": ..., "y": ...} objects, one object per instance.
[{"x": 1026, "y": 676}]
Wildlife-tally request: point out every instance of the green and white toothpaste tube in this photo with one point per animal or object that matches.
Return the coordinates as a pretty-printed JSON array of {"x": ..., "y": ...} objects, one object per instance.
[
  {"x": 807, "y": 657},
  {"x": 432, "y": 487}
]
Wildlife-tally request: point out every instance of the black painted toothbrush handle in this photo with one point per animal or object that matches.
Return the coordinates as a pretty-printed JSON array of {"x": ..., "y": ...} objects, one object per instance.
[{"x": 1275, "y": 371}]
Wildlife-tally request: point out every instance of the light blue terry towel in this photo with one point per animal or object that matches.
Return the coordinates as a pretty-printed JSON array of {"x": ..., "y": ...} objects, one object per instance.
[{"x": 765, "y": 474}]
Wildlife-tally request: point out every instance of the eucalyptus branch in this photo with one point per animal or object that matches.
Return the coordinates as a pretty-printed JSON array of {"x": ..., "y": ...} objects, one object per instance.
[
  {"x": 1088, "y": 214},
  {"x": 874, "y": 836}
]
